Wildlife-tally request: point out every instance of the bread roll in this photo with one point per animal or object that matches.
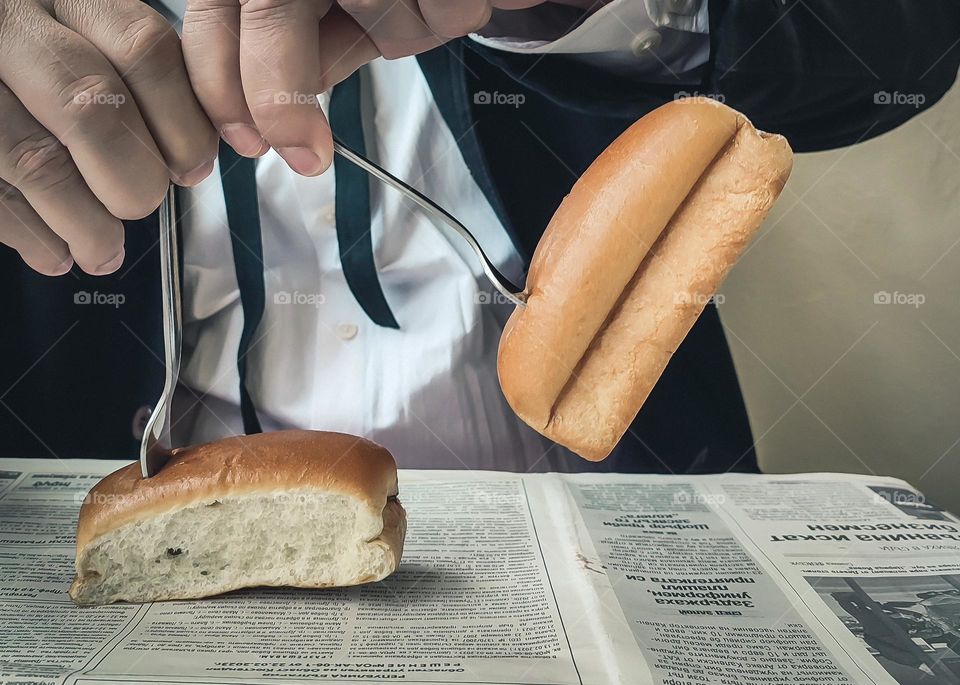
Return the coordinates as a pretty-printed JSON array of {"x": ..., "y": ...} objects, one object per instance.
[
  {"x": 627, "y": 264},
  {"x": 300, "y": 508}
]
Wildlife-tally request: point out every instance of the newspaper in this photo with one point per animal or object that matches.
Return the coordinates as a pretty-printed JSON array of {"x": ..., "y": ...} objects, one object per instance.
[{"x": 541, "y": 579}]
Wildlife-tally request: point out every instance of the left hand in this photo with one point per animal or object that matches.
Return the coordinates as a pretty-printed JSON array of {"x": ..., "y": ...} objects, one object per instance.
[{"x": 256, "y": 65}]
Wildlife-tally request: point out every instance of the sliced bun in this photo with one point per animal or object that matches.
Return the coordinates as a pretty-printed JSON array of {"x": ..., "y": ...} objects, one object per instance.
[
  {"x": 627, "y": 264},
  {"x": 299, "y": 508}
]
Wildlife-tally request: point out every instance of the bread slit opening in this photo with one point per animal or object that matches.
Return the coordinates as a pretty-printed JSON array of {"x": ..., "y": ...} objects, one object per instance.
[{"x": 628, "y": 287}]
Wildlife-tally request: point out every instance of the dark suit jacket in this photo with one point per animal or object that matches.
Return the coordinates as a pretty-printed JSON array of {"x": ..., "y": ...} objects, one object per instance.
[{"x": 75, "y": 379}]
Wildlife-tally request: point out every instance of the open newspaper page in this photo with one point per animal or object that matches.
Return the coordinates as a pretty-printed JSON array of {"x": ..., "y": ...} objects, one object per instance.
[
  {"x": 541, "y": 579},
  {"x": 878, "y": 564},
  {"x": 486, "y": 593},
  {"x": 780, "y": 579}
]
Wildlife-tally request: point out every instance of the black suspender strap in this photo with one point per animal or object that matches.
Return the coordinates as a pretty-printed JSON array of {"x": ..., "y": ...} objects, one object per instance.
[
  {"x": 353, "y": 206},
  {"x": 239, "y": 179}
]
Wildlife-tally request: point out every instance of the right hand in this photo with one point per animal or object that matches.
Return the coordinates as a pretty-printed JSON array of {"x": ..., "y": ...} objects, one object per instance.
[
  {"x": 256, "y": 65},
  {"x": 96, "y": 117}
]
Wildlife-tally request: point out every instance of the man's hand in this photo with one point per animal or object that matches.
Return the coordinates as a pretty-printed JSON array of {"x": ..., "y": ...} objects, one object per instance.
[
  {"x": 256, "y": 65},
  {"x": 97, "y": 116}
]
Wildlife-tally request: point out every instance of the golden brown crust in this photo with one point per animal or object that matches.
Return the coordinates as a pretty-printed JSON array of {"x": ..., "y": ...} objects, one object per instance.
[
  {"x": 594, "y": 242},
  {"x": 279, "y": 461},
  {"x": 627, "y": 265}
]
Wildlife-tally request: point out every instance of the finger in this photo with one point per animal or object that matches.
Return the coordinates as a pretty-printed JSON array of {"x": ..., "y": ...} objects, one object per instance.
[
  {"x": 344, "y": 48},
  {"x": 396, "y": 26},
  {"x": 521, "y": 4},
  {"x": 455, "y": 18},
  {"x": 281, "y": 73},
  {"x": 211, "y": 49},
  {"x": 23, "y": 230},
  {"x": 40, "y": 167},
  {"x": 74, "y": 93},
  {"x": 279, "y": 48},
  {"x": 145, "y": 51}
]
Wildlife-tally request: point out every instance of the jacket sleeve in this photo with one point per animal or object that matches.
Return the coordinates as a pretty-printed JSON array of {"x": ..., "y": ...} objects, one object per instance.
[{"x": 826, "y": 74}]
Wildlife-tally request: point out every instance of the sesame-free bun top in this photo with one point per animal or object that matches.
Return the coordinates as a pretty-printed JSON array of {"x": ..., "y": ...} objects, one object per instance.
[
  {"x": 628, "y": 262},
  {"x": 281, "y": 461}
]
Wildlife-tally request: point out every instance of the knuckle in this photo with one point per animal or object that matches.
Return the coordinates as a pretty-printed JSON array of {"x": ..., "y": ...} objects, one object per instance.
[
  {"x": 93, "y": 101},
  {"x": 11, "y": 15},
  {"x": 267, "y": 14},
  {"x": 41, "y": 162},
  {"x": 262, "y": 5},
  {"x": 146, "y": 36},
  {"x": 266, "y": 107},
  {"x": 281, "y": 105},
  {"x": 202, "y": 17}
]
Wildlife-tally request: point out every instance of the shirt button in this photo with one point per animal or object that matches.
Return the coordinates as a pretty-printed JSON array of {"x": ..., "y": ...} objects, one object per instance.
[
  {"x": 347, "y": 331},
  {"x": 329, "y": 214},
  {"x": 644, "y": 42}
]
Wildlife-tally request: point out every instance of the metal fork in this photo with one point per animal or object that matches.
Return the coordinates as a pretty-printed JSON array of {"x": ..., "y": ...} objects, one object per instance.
[
  {"x": 497, "y": 279},
  {"x": 156, "y": 446}
]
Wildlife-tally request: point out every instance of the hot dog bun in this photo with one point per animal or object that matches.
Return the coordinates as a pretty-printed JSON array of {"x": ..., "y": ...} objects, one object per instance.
[
  {"x": 628, "y": 262},
  {"x": 300, "y": 508}
]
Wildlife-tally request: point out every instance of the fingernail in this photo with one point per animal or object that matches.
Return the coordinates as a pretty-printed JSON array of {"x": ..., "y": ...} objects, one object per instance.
[
  {"x": 303, "y": 160},
  {"x": 110, "y": 266},
  {"x": 60, "y": 269},
  {"x": 63, "y": 267},
  {"x": 192, "y": 178},
  {"x": 245, "y": 139}
]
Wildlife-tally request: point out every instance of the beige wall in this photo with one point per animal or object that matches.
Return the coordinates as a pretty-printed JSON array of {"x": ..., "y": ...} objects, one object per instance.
[{"x": 834, "y": 381}]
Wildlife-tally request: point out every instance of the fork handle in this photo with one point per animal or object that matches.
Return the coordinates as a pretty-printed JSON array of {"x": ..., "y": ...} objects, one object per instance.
[
  {"x": 511, "y": 292},
  {"x": 156, "y": 443}
]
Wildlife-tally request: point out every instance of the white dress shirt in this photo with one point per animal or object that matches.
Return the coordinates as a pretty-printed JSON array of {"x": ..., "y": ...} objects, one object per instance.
[{"x": 428, "y": 391}]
